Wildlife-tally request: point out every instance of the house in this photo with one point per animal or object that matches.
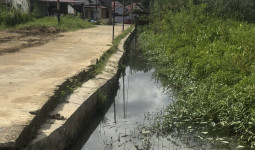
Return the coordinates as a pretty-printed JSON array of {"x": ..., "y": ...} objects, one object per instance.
[
  {"x": 23, "y": 5},
  {"x": 129, "y": 13},
  {"x": 98, "y": 10},
  {"x": 132, "y": 9},
  {"x": 49, "y": 7},
  {"x": 39, "y": 7},
  {"x": 119, "y": 11}
]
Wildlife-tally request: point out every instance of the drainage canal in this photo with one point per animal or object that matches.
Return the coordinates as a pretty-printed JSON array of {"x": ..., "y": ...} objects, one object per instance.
[
  {"x": 120, "y": 127},
  {"x": 139, "y": 93}
]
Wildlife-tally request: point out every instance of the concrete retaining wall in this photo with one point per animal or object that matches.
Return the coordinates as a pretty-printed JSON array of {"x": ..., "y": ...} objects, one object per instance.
[{"x": 75, "y": 113}]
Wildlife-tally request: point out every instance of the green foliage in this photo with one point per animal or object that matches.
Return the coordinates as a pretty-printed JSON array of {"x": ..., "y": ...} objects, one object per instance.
[
  {"x": 236, "y": 9},
  {"x": 211, "y": 63},
  {"x": 68, "y": 23},
  {"x": 16, "y": 19},
  {"x": 10, "y": 17},
  {"x": 102, "y": 62},
  {"x": 102, "y": 99}
]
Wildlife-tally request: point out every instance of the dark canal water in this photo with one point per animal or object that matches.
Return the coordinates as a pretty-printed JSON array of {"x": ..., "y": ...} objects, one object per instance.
[
  {"x": 138, "y": 96},
  {"x": 139, "y": 93}
]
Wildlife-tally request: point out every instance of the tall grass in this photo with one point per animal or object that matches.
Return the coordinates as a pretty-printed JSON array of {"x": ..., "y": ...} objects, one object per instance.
[
  {"x": 243, "y": 10},
  {"x": 105, "y": 57},
  {"x": 236, "y": 9},
  {"x": 68, "y": 23},
  {"x": 10, "y": 17},
  {"x": 210, "y": 61}
]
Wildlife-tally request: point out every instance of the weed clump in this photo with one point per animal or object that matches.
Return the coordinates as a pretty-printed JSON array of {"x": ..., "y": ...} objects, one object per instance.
[
  {"x": 210, "y": 61},
  {"x": 10, "y": 17},
  {"x": 68, "y": 23}
]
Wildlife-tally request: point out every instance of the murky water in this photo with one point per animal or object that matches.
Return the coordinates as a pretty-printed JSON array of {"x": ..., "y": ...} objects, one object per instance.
[
  {"x": 138, "y": 94},
  {"x": 138, "y": 98}
]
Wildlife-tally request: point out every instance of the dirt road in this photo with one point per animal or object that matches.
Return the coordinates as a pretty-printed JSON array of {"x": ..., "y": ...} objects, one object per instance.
[
  {"x": 28, "y": 77},
  {"x": 13, "y": 41}
]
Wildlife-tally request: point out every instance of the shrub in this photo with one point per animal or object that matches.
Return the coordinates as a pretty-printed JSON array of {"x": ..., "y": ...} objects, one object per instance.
[
  {"x": 68, "y": 23},
  {"x": 243, "y": 10},
  {"x": 11, "y": 17}
]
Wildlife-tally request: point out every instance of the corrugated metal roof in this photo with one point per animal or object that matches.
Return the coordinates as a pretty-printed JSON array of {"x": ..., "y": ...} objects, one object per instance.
[
  {"x": 105, "y": 3},
  {"x": 62, "y": 1},
  {"x": 95, "y": 7}
]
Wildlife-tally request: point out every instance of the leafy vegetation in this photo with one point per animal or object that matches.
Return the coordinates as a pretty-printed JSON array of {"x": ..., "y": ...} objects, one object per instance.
[
  {"x": 236, "y": 9},
  {"x": 105, "y": 57},
  {"x": 68, "y": 23},
  {"x": 11, "y": 18},
  {"x": 102, "y": 100},
  {"x": 97, "y": 68},
  {"x": 209, "y": 60},
  {"x": 72, "y": 84}
]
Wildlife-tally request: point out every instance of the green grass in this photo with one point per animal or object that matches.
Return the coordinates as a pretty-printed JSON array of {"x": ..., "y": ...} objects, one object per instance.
[
  {"x": 10, "y": 17},
  {"x": 14, "y": 19},
  {"x": 77, "y": 81},
  {"x": 96, "y": 69},
  {"x": 211, "y": 63},
  {"x": 67, "y": 23},
  {"x": 105, "y": 57}
]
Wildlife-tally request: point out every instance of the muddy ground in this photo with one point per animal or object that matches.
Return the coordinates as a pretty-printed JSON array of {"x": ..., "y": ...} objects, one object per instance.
[{"x": 15, "y": 40}]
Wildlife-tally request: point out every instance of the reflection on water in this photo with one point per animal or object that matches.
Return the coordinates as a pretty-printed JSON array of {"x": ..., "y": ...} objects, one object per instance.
[
  {"x": 138, "y": 94},
  {"x": 138, "y": 98}
]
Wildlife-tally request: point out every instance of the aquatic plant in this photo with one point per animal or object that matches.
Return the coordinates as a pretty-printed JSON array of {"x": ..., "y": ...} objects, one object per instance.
[{"x": 210, "y": 62}]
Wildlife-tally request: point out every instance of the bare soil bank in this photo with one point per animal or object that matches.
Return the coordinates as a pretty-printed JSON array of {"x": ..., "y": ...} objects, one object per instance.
[{"x": 15, "y": 40}]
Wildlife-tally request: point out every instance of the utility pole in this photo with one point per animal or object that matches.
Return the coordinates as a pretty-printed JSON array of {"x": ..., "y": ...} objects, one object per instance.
[
  {"x": 48, "y": 12},
  {"x": 132, "y": 8},
  {"x": 96, "y": 10},
  {"x": 113, "y": 20},
  {"x": 58, "y": 11},
  {"x": 123, "y": 14}
]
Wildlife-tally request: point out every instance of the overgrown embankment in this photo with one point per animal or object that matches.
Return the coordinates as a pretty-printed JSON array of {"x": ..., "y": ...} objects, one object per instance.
[
  {"x": 209, "y": 60},
  {"x": 15, "y": 19}
]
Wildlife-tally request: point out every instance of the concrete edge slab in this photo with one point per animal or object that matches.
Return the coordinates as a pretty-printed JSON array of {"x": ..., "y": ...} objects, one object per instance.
[{"x": 57, "y": 133}]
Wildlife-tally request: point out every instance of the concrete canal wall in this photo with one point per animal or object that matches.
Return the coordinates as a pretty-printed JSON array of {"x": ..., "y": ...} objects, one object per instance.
[
  {"x": 36, "y": 79},
  {"x": 74, "y": 113}
]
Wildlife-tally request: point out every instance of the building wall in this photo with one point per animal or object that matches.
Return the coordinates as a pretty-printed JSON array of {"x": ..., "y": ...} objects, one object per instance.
[
  {"x": 118, "y": 19},
  {"x": 7, "y": 2},
  {"x": 90, "y": 13},
  {"x": 39, "y": 8},
  {"x": 23, "y": 5},
  {"x": 119, "y": 10},
  {"x": 70, "y": 10}
]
